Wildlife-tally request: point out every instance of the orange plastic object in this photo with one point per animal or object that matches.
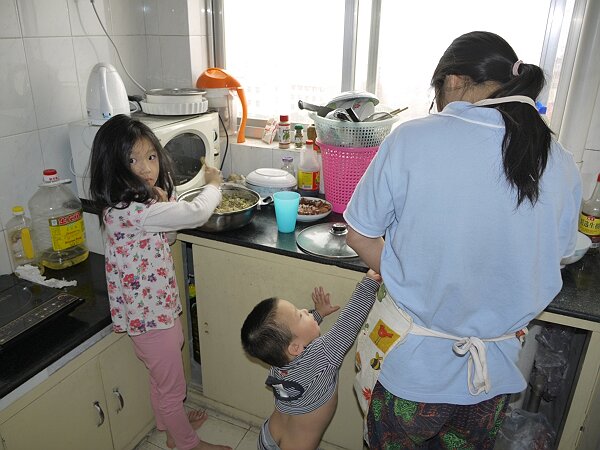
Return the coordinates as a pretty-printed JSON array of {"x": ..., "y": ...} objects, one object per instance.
[{"x": 217, "y": 78}]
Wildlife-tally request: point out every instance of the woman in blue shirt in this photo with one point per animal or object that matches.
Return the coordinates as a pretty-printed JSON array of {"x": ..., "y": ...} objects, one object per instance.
[{"x": 477, "y": 204}]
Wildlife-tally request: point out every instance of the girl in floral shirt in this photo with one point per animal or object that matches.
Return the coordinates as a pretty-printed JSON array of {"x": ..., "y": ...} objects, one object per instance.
[{"x": 130, "y": 181}]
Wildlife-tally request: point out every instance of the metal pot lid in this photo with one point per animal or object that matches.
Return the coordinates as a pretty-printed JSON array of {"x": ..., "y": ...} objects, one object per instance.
[
  {"x": 326, "y": 239},
  {"x": 175, "y": 92}
]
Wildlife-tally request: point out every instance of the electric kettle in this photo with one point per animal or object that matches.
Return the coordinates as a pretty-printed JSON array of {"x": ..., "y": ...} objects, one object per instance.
[
  {"x": 106, "y": 95},
  {"x": 219, "y": 86}
]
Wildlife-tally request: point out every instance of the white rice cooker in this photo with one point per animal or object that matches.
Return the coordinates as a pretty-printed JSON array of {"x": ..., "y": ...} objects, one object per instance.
[{"x": 267, "y": 181}]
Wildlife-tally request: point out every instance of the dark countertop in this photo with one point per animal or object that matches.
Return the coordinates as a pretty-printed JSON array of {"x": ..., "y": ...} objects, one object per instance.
[
  {"x": 579, "y": 297},
  {"x": 49, "y": 342}
]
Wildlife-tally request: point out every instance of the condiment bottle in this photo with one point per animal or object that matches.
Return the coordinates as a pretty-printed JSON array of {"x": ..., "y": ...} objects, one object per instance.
[
  {"x": 311, "y": 133},
  {"x": 299, "y": 136},
  {"x": 589, "y": 218},
  {"x": 57, "y": 222},
  {"x": 18, "y": 238},
  {"x": 283, "y": 131},
  {"x": 287, "y": 164},
  {"x": 308, "y": 170}
]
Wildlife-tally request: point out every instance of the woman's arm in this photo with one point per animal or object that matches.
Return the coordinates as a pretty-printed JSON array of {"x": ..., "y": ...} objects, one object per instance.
[{"x": 368, "y": 249}]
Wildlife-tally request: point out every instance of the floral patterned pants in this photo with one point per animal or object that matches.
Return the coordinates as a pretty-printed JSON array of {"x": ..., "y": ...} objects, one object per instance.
[{"x": 395, "y": 423}]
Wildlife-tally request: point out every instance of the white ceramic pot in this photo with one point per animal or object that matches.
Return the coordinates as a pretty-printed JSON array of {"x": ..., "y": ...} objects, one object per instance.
[{"x": 267, "y": 181}]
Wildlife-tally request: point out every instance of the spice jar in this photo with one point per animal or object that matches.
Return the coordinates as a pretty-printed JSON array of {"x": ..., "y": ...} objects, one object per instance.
[
  {"x": 299, "y": 136},
  {"x": 283, "y": 131}
]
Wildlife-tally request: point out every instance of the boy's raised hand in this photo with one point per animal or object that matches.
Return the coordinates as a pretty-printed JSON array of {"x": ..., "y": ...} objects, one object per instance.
[
  {"x": 322, "y": 301},
  {"x": 374, "y": 276}
]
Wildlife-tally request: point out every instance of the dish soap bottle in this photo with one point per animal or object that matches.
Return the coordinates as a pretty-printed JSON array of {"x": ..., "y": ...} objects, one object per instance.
[
  {"x": 18, "y": 238},
  {"x": 589, "y": 219},
  {"x": 57, "y": 220},
  {"x": 308, "y": 171}
]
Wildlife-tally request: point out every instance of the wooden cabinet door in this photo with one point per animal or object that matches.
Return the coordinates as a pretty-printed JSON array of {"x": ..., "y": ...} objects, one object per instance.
[
  {"x": 126, "y": 387},
  {"x": 71, "y": 415},
  {"x": 230, "y": 281}
]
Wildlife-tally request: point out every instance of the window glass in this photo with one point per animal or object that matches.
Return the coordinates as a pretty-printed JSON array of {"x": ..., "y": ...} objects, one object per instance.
[{"x": 282, "y": 52}]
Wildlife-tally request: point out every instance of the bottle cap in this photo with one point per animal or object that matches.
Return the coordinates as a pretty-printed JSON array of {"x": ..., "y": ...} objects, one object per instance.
[
  {"x": 284, "y": 118},
  {"x": 18, "y": 210},
  {"x": 298, "y": 126},
  {"x": 50, "y": 175},
  {"x": 287, "y": 158},
  {"x": 309, "y": 142}
]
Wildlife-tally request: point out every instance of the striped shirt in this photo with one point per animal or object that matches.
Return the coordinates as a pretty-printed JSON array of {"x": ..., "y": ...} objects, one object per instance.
[{"x": 310, "y": 380}]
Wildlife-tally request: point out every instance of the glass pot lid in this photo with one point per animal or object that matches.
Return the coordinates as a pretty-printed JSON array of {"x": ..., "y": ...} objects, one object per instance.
[{"x": 326, "y": 239}]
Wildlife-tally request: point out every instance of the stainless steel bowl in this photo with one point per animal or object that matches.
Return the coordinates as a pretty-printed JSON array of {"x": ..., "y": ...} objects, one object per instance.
[{"x": 229, "y": 220}]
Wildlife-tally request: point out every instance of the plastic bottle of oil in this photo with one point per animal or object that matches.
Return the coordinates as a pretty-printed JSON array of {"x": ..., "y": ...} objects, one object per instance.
[
  {"x": 18, "y": 238},
  {"x": 57, "y": 223},
  {"x": 589, "y": 218}
]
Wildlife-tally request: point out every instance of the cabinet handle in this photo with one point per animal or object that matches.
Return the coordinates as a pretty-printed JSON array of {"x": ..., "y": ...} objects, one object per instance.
[
  {"x": 100, "y": 413},
  {"x": 117, "y": 394}
]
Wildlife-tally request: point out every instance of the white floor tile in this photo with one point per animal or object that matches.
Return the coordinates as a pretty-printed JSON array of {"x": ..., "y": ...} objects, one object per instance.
[
  {"x": 221, "y": 432},
  {"x": 249, "y": 441}
]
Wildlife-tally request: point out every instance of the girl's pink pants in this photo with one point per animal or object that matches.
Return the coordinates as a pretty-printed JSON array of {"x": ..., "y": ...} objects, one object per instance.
[{"x": 160, "y": 350}]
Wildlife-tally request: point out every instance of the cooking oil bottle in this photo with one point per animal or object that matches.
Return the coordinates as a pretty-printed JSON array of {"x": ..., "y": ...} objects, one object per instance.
[
  {"x": 18, "y": 238},
  {"x": 57, "y": 223}
]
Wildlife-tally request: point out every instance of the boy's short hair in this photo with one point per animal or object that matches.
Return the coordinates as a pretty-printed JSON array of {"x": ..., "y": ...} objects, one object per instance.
[{"x": 265, "y": 338}]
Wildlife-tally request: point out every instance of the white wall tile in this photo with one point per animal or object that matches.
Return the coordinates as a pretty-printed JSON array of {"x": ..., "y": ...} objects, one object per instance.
[
  {"x": 151, "y": 16},
  {"x": 175, "y": 57},
  {"x": 9, "y": 19},
  {"x": 44, "y": 18},
  {"x": 245, "y": 159},
  {"x": 135, "y": 57},
  {"x": 590, "y": 169},
  {"x": 198, "y": 56},
  {"x": 154, "y": 75},
  {"x": 197, "y": 17},
  {"x": 173, "y": 18},
  {"x": 20, "y": 171},
  {"x": 17, "y": 113},
  {"x": 88, "y": 52},
  {"x": 127, "y": 17},
  {"x": 83, "y": 19},
  {"x": 56, "y": 152},
  {"x": 54, "y": 83},
  {"x": 93, "y": 234}
]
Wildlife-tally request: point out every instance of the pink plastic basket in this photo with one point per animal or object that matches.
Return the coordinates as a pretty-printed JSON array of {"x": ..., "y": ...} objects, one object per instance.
[{"x": 342, "y": 170}]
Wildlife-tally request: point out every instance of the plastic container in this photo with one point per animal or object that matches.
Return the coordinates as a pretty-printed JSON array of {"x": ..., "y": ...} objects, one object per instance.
[
  {"x": 283, "y": 131},
  {"x": 266, "y": 181},
  {"x": 589, "y": 218},
  {"x": 352, "y": 134},
  {"x": 18, "y": 239},
  {"x": 308, "y": 169},
  {"x": 57, "y": 223},
  {"x": 342, "y": 169}
]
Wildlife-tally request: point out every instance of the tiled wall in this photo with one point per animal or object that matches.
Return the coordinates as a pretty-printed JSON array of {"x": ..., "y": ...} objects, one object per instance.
[{"x": 47, "y": 49}]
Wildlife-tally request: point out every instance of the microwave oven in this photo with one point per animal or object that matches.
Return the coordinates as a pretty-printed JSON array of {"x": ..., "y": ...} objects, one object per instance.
[{"x": 190, "y": 141}]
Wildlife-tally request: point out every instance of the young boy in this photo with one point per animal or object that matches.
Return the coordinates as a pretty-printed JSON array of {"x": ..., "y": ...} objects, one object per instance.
[{"x": 304, "y": 365}]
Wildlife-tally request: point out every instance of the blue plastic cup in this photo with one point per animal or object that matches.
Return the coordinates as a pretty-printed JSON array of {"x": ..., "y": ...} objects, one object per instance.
[{"x": 286, "y": 210}]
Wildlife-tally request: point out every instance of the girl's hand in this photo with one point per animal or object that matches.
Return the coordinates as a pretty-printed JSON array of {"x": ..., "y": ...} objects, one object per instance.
[
  {"x": 322, "y": 302},
  {"x": 374, "y": 276},
  {"x": 162, "y": 195},
  {"x": 213, "y": 176}
]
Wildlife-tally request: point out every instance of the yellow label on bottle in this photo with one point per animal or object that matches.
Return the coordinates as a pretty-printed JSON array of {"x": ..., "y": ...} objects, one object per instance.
[
  {"x": 589, "y": 225},
  {"x": 308, "y": 181},
  {"x": 67, "y": 231}
]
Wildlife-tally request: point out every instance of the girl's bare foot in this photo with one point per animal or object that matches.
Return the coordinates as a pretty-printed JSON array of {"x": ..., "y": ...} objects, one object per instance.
[{"x": 196, "y": 418}]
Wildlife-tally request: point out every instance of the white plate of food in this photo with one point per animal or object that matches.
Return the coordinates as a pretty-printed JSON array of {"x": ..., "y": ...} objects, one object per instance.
[{"x": 312, "y": 209}]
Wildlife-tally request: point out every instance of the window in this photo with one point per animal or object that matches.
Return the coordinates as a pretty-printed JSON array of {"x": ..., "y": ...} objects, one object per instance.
[{"x": 312, "y": 50}]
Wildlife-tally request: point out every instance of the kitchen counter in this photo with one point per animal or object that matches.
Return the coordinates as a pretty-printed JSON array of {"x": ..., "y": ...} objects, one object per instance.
[
  {"x": 35, "y": 353},
  {"x": 579, "y": 297}
]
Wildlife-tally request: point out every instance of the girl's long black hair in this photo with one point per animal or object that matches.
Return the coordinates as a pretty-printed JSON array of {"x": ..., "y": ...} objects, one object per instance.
[
  {"x": 112, "y": 183},
  {"x": 484, "y": 57}
]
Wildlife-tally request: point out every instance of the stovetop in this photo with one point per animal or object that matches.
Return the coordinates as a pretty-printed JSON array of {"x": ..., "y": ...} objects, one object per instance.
[{"x": 25, "y": 306}]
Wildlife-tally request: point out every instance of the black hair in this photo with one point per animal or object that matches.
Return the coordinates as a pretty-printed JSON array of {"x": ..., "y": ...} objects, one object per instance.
[
  {"x": 112, "y": 182},
  {"x": 483, "y": 57},
  {"x": 265, "y": 338}
]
